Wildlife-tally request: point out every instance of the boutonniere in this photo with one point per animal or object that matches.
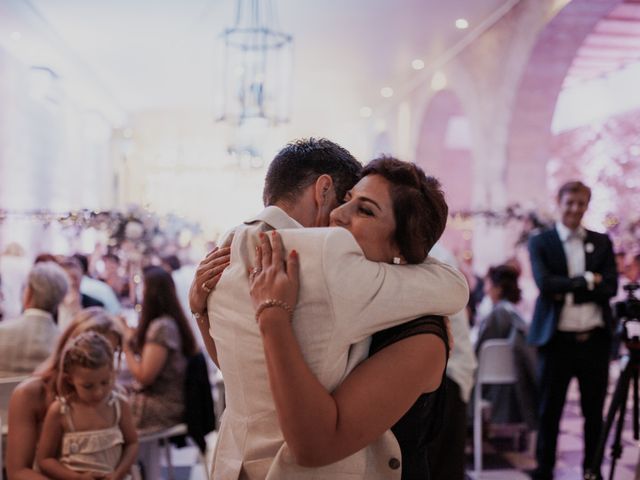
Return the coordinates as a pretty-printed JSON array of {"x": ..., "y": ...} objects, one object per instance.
[{"x": 588, "y": 247}]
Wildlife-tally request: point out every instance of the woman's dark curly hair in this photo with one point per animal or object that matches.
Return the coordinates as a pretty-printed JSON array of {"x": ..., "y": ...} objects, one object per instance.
[
  {"x": 419, "y": 206},
  {"x": 505, "y": 277}
]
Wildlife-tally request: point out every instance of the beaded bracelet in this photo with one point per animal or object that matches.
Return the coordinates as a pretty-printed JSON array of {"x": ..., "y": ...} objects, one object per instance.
[{"x": 272, "y": 302}]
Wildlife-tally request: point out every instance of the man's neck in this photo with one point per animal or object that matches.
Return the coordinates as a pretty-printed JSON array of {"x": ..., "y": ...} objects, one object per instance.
[
  {"x": 297, "y": 211},
  {"x": 39, "y": 311}
]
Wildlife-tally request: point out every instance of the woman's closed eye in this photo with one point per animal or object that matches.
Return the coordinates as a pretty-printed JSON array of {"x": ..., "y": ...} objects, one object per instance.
[{"x": 365, "y": 211}]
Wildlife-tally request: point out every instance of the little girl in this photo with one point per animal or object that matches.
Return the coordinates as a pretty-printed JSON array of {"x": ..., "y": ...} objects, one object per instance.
[{"x": 88, "y": 432}]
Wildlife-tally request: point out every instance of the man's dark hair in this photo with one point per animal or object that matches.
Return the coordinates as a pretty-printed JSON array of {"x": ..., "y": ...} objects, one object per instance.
[
  {"x": 505, "y": 277},
  {"x": 419, "y": 206},
  {"x": 574, "y": 186},
  {"x": 111, "y": 256},
  {"x": 301, "y": 162},
  {"x": 84, "y": 262},
  {"x": 172, "y": 261}
]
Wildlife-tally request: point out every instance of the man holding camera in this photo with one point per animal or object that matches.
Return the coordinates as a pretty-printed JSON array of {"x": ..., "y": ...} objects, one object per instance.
[{"x": 575, "y": 271}]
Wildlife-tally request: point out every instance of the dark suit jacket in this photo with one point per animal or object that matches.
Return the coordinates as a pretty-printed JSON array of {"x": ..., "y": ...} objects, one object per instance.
[
  {"x": 549, "y": 264},
  {"x": 86, "y": 301}
]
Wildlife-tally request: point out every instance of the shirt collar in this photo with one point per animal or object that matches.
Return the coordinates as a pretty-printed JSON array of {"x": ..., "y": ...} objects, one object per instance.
[
  {"x": 36, "y": 312},
  {"x": 275, "y": 217},
  {"x": 565, "y": 233}
]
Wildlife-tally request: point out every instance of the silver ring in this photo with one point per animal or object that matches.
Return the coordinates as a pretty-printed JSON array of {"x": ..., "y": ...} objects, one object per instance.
[
  {"x": 256, "y": 271},
  {"x": 205, "y": 288}
]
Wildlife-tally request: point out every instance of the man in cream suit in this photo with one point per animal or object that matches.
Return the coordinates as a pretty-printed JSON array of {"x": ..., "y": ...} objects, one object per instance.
[{"x": 343, "y": 299}]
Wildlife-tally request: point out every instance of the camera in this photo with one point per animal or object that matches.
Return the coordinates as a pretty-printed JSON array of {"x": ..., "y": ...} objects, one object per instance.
[{"x": 628, "y": 310}]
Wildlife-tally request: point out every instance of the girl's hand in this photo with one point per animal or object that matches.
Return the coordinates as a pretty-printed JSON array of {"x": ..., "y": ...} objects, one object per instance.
[
  {"x": 207, "y": 276},
  {"x": 273, "y": 277}
]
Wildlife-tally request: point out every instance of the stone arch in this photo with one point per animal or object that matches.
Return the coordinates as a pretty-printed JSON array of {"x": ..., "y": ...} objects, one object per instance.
[
  {"x": 443, "y": 149},
  {"x": 530, "y": 135}
]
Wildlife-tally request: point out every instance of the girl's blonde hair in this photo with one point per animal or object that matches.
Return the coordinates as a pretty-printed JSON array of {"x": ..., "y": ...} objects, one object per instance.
[
  {"x": 89, "y": 350},
  {"x": 92, "y": 319}
]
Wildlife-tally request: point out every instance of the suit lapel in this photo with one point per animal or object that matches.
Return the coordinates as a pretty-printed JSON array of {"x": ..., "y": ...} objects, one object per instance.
[{"x": 558, "y": 251}]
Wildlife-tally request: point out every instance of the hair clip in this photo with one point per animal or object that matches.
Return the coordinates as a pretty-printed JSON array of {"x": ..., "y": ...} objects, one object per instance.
[{"x": 396, "y": 260}]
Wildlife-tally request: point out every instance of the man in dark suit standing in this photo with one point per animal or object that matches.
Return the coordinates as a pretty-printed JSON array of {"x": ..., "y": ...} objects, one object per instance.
[{"x": 575, "y": 271}]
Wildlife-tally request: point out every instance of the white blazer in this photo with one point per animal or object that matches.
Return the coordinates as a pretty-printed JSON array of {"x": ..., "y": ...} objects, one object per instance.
[{"x": 343, "y": 300}]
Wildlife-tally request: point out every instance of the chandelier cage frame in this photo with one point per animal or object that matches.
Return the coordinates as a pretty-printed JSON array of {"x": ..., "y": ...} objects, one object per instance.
[{"x": 258, "y": 66}]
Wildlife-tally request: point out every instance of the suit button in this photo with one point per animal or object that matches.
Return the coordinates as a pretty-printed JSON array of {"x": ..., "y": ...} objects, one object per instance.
[{"x": 394, "y": 463}]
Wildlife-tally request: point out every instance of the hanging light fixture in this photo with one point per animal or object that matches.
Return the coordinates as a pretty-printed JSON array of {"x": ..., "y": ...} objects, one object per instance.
[{"x": 257, "y": 67}]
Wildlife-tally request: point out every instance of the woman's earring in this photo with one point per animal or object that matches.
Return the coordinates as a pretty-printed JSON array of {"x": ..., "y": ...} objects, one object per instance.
[{"x": 396, "y": 260}]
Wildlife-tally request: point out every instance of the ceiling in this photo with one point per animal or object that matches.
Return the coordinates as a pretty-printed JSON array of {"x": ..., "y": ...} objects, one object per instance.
[
  {"x": 613, "y": 45},
  {"x": 163, "y": 54}
]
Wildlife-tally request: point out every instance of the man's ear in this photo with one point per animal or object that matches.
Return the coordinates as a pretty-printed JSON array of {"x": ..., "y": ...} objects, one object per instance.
[{"x": 323, "y": 186}]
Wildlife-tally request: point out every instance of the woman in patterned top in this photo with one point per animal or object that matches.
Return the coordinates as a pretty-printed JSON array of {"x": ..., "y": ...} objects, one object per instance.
[{"x": 157, "y": 353}]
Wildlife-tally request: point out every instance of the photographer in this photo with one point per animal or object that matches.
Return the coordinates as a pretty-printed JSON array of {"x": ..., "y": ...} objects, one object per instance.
[{"x": 575, "y": 271}]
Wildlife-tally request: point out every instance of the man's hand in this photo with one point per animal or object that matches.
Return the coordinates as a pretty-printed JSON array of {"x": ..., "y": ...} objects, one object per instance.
[{"x": 208, "y": 273}]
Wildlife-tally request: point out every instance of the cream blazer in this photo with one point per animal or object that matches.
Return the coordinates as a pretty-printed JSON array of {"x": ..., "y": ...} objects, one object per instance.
[{"x": 343, "y": 300}]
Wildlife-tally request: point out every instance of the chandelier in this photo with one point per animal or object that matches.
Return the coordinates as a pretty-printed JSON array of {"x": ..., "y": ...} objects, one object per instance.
[{"x": 257, "y": 67}]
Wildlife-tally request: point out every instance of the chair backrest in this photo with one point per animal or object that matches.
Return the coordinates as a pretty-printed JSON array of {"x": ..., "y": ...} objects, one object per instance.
[
  {"x": 496, "y": 363},
  {"x": 6, "y": 389}
]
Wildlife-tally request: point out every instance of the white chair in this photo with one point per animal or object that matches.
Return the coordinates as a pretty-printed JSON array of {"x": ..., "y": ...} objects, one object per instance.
[
  {"x": 150, "y": 442},
  {"x": 6, "y": 389},
  {"x": 496, "y": 366}
]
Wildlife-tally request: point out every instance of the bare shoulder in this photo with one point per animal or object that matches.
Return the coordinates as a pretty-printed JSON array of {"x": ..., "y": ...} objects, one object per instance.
[{"x": 30, "y": 393}]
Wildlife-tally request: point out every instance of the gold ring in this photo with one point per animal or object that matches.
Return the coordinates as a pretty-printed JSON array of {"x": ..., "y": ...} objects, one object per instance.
[{"x": 205, "y": 288}]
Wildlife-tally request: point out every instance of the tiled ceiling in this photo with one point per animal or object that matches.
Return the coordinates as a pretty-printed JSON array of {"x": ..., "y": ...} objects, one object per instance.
[{"x": 612, "y": 45}]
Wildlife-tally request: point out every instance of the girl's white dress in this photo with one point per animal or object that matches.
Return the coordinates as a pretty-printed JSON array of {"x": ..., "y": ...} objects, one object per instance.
[{"x": 92, "y": 450}]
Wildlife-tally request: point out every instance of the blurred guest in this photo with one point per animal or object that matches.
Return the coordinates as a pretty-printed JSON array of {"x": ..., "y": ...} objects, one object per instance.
[
  {"x": 182, "y": 276},
  {"x": 476, "y": 287},
  {"x": 74, "y": 442},
  {"x": 27, "y": 340},
  {"x": 171, "y": 263},
  {"x": 96, "y": 288},
  {"x": 509, "y": 403},
  {"x": 45, "y": 257},
  {"x": 575, "y": 271},
  {"x": 621, "y": 263},
  {"x": 633, "y": 270},
  {"x": 111, "y": 275},
  {"x": 14, "y": 268},
  {"x": 446, "y": 450},
  {"x": 157, "y": 353},
  {"x": 74, "y": 301},
  {"x": 31, "y": 399}
]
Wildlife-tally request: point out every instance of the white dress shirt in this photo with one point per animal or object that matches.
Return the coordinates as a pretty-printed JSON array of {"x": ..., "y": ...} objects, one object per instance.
[
  {"x": 585, "y": 316},
  {"x": 101, "y": 291}
]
